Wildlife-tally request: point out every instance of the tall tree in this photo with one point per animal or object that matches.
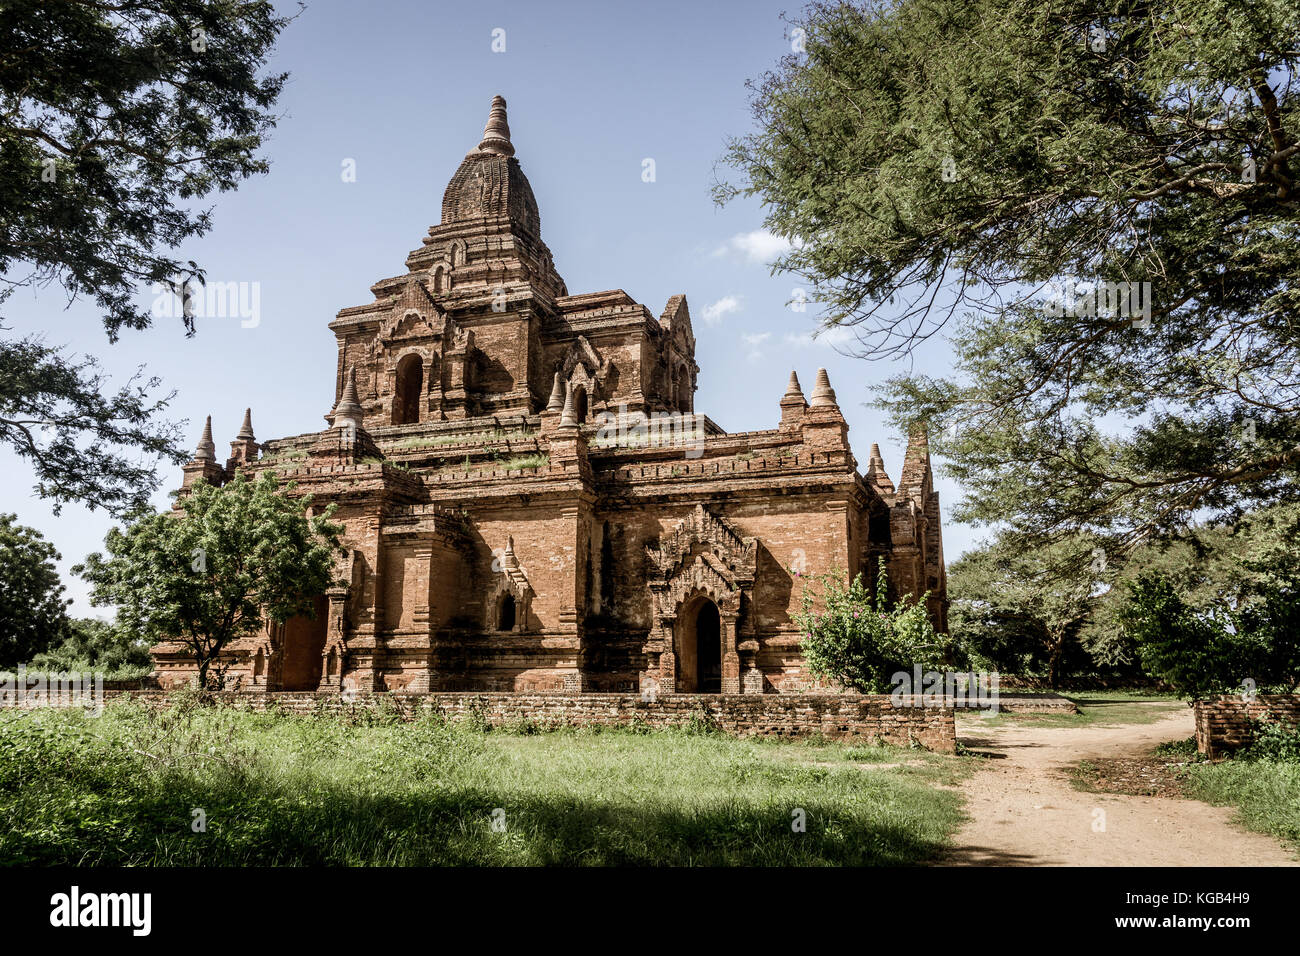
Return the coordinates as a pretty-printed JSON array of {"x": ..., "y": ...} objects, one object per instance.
[
  {"x": 1024, "y": 610},
  {"x": 33, "y": 610},
  {"x": 115, "y": 118},
  {"x": 1027, "y": 165},
  {"x": 234, "y": 558}
]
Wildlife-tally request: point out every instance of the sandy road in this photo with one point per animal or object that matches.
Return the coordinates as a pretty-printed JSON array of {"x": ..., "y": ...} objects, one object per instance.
[{"x": 1025, "y": 812}]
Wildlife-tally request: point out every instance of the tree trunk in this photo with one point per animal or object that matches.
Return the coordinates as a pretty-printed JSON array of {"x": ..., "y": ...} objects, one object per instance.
[{"x": 1054, "y": 664}]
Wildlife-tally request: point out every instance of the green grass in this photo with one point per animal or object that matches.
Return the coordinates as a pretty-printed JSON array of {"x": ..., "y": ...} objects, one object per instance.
[
  {"x": 1096, "y": 708},
  {"x": 284, "y": 790},
  {"x": 1121, "y": 693},
  {"x": 1266, "y": 793}
]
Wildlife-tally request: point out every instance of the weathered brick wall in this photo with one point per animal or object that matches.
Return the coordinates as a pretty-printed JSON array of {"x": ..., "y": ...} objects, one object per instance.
[
  {"x": 835, "y": 716},
  {"x": 1223, "y": 724}
]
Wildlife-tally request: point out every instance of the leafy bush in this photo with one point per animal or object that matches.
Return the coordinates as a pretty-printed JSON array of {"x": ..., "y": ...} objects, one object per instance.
[
  {"x": 860, "y": 641},
  {"x": 1273, "y": 740},
  {"x": 1207, "y": 651}
]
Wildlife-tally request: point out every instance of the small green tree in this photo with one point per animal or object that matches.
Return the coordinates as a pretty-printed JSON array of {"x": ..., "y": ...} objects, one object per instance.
[
  {"x": 33, "y": 611},
  {"x": 859, "y": 640},
  {"x": 1196, "y": 652},
  {"x": 235, "y": 557},
  {"x": 95, "y": 645}
]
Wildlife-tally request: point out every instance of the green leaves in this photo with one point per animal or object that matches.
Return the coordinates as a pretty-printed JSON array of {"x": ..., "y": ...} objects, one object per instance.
[
  {"x": 33, "y": 610},
  {"x": 1238, "y": 619},
  {"x": 1023, "y": 610},
  {"x": 1198, "y": 654},
  {"x": 232, "y": 560},
  {"x": 113, "y": 120},
  {"x": 860, "y": 641},
  {"x": 56, "y": 414},
  {"x": 107, "y": 118},
  {"x": 935, "y": 160}
]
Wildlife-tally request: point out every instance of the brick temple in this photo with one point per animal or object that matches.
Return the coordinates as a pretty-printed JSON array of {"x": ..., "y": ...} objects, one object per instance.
[{"x": 531, "y": 501}]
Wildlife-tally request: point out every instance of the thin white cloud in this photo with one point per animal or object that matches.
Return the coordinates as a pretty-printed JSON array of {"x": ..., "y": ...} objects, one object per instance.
[
  {"x": 714, "y": 312},
  {"x": 836, "y": 336},
  {"x": 754, "y": 343},
  {"x": 759, "y": 247}
]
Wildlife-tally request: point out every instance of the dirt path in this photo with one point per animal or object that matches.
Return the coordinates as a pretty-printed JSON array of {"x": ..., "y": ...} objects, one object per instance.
[{"x": 1025, "y": 812}]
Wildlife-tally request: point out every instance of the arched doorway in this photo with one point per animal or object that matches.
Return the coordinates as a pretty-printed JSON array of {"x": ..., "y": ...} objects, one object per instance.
[
  {"x": 699, "y": 648},
  {"x": 406, "y": 398},
  {"x": 506, "y": 619},
  {"x": 580, "y": 404},
  {"x": 304, "y": 643}
]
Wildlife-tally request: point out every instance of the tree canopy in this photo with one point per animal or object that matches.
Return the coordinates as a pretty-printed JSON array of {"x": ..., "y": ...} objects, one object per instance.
[
  {"x": 115, "y": 121},
  {"x": 33, "y": 610},
  {"x": 1018, "y": 165},
  {"x": 234, "y": 558},
  {"x": 1023, "y": 610}
]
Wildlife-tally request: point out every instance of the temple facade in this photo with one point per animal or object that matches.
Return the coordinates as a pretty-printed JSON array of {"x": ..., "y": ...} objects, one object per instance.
[{"x": 531, "y": 501}]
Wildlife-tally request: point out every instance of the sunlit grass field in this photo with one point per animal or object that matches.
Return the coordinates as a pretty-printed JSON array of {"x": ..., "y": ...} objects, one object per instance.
[
  {"x": 134, "y": 785},
  {"x": 1096, "y": 708}
]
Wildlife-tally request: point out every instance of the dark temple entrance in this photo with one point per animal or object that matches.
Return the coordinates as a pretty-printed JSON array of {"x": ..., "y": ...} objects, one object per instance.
[
  {"x": 699, "y": 648},
  {"x": 304, "y": 643},
  {"x": 708, "y": 637}
]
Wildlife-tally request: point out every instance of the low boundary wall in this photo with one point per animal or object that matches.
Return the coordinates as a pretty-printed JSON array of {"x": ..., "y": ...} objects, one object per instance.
[
  {"x": 849, "y": 717},
  {"x": 1223, "y": 723}
]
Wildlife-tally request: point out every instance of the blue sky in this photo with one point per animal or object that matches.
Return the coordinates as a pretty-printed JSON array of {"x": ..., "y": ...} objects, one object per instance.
[{"x": 402, "y": 89}]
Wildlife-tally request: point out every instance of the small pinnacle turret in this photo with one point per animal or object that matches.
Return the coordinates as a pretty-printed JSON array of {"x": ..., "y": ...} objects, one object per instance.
[
  {"x": 207, "y": 448},
  {"x": 793, "y": 404},
  {"x": 246, "y": 429},
  {"x": 822, "y": 393},
  {"x": 569, "y": 417},
  {"x": 792, "y": 390},
  {"x": 557, "y": 395},
  {"x": 348, "y": 410},
  {"x": 876, "y": 473}
]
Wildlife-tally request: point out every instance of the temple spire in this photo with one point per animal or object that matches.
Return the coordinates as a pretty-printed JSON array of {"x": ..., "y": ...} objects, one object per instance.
[
  {"x": 246, "y": 429},
  {"x": 348, "y": 409},
  {"x": 916, "y": 461},
  {"x": 792, "y": 390},
  {"x": 496, "y": 134},
  {"x": 557, "y": 395},
  {"x": 822, "y": 393},
  {"x": 207, "y": 448}
]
